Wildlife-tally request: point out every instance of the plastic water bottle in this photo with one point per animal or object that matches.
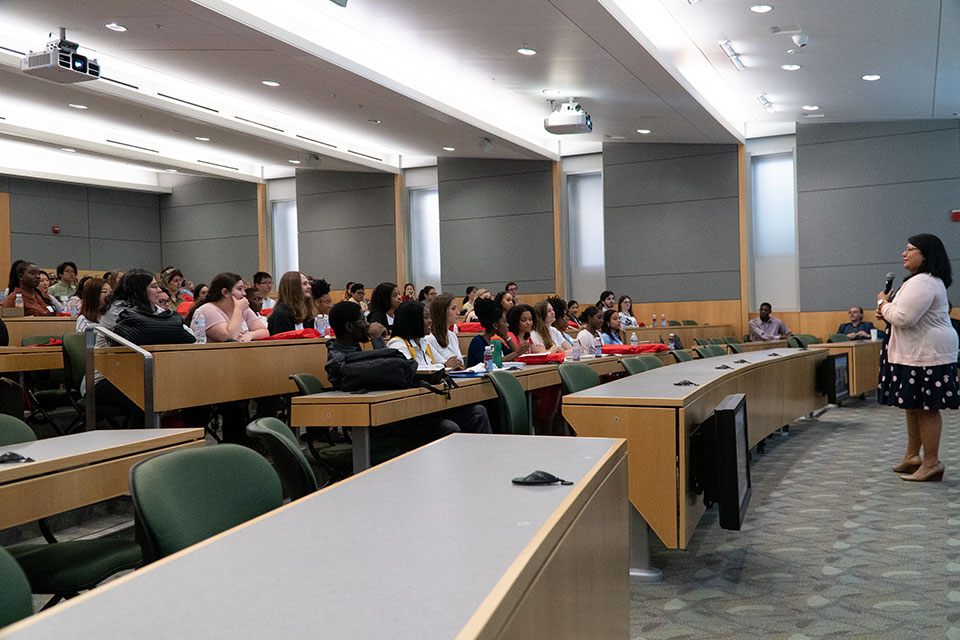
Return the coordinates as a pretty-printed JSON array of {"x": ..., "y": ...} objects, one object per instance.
[
  {"x": 597, "y": 347},
  {"x": 672, "y": 343},
  {"x": 18, "y": 302},
  {"x": 663, "y": 320},
  {"x": 200, "y": 328},
  {"x": 633, "y": 338},
  {"x": 488, "y": 358},
  {"x": 71, "y": 305},
  {"x": 576, "y": 352},
  {"x": 653, "y": 322}
]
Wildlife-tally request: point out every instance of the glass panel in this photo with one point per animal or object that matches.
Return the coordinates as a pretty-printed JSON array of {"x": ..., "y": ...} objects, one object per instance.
[
  {"x": 286, "y": 251},
  {"x": 585, "y": 219},
  {"x": 775, "y": 265},
  {"x": 424, "y": 237}
]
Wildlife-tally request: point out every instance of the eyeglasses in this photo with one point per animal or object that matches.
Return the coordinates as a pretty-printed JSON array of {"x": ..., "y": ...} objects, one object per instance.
[{"x": 909, "y": 249}]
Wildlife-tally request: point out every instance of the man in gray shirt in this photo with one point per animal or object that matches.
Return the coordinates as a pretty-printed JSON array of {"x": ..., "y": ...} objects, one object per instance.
[{"x": 765, "y": 328}]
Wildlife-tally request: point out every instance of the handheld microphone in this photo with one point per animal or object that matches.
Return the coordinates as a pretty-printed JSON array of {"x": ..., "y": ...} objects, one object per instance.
[{"x": 889, "y": 284}]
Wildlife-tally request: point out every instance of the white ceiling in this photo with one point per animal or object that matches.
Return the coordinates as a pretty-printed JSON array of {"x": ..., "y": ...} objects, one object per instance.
[{"x": 446, "y": 73}]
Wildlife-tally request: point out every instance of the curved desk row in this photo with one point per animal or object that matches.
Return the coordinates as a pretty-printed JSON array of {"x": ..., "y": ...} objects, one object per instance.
[{"x": 657, "y": 417}]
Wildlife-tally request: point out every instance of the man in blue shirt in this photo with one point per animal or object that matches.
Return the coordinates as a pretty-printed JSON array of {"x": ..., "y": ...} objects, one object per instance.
[{"x": 856, "y": 329}]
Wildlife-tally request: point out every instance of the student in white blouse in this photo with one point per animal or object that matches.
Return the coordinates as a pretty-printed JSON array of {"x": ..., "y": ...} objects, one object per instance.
[
  {"x": 444, "y": 312},
  {"x": 545, "y": 317},
  {"x": 625, "y": 306},
  {"x": 591, "y": 320}
]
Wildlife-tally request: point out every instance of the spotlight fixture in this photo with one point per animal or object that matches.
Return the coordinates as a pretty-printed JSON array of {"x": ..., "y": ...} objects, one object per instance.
[
  {"x": 79, "y": 106},
  {"x": 68, "y": 149},
  {"x": 172, "y": 170},
  {"x": 790, "y": 67},
  {"x": 871, "y": 77},
  {"x": 643, "y": 131},
  {"x": 526, "y": 51},
  {"x": 201, "y": 139},
  {"x": 765, "y": 101},
  {"x": 293, "y": 161},
  {"x": 761, "y": 8},
  {"x": 373, "y": 121},
  {"x": 552, "y": 93},
  {"x": 449, "y": 148},
  {"x": 811, "y": 107},
  {"x": 113, "y": 26},
  {"x": 270, "y": 83},
  {"x": 732, "y": 54}
]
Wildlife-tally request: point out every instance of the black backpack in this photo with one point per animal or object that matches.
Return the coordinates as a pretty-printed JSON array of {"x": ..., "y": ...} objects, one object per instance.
[{"x": 385, "y": 369}]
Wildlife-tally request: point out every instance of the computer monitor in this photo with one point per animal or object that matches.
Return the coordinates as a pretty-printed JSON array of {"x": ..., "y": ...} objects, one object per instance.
[
  {"x": 833, "y": 377},
  {"x": 721, "y": 452}
]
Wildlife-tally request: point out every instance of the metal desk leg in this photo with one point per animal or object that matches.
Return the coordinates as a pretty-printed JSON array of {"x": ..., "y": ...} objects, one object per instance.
[
  {"x": 530, "y": 411},
  {"x": 361, "y": 449},
  {"x": 640, "y": 569}
]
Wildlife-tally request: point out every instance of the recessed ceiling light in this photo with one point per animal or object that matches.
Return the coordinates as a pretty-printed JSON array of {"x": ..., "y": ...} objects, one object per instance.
[
  {"x": 553, "y": 93},
  {"x": 113, "y": 26},
  {"x": 525, "y": 51},
  {"x": 172, "y": 170},
  {"x": 68, "y": 149},
  {"x": 871, "y": 77},
  {"x": 293, "y": 161},
  {"x": 811, "y": 107},
  {"x": 270, "y": 83},
  {"x": 449, "y": 148},
  {"x": 373, "y": 121},
  {"x": 201, "y": 139},
  {"x": 79, "y": 106},
  {"x": 643, "y": 131},
  {"x": 761, "y": 8},
  {"x": 790, "y": 67}
]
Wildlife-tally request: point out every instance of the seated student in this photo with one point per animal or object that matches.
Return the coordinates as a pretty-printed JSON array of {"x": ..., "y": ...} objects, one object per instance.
[
  {"x": 263, "y": 281},
  {"x": 75, "y": 300},
  {"x": 467, "y": 305},
  {"x": 199, "y": 297},
  {"x": 351, "y": 330},
  {"x": 610, "y": 330},
  {"x": 625, "y": 305},
  {"x": 520, "y": 320},
  {"x": 383, "y": 304},
  {"x": 483, "y": 294},
  {"x": 514, "y": 291},
  {"x": 113, "y": 278},
  {"x": 558, "y": 329},
  {"x": 427, "y": 294},
  {"x": 12, "y": 280},
  {"x": 43, "y": 286},
  {"x": 320, "y": 293},
  {"x": 765, "y": 328},
  {"x": 357, "y": 292},
  {"x": 95, "y": 293},
  {"x": 171, "y": 279},
  {"x": 495, "y": 327},
  {"x": 573, "y": 312},
  {"x": 505, "y": 301},
  {"x": 409, "y": 293},
  {"x": 543, "y": 340},
  {"x": 294, "y": 310},
  {"x": 35, "y": 303},
  {"x": 592, "y": 321},
  {"x": 227, "y": 313},
  {"x": 255, "y": 298},
  {"x": 67, "y": 287},
  {"x": 857, "y": 328},
  {"x": 443, "y": 341},
  {"x": 346, "y": 292},
  {"x": 607, "y": 301},
  {"x": 163, "y": 302}
]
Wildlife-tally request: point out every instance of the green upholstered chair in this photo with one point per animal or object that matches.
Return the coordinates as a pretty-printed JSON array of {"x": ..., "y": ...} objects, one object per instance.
[
  {"x": 689, "y": 323},
  {"x": 838, "y": 337},
  {"x": 64, "y": 569},
  {"x": 288, "y": 460},
  {"x": 730, "y": 340},
  {"x": 682, "y": 355},
  {"x": 16, "y": 603},
  {"x": 186, "y": 496},
  {"x": 674, "y": 323},
  {"x": 74, "y": 368},
  {"x": 639, "y": 364},
  {"x": 745, "y": 337},
  {"x": 711, "y": 351},
  {"x": 717, "y": 341},
  {"x": 513, "y": 402},
  {"x": 702, "y": 341},
  {"x": 734, "y": 347},
  {"x": 704, "y": 352},
  {"x": 44, "y": 388},
  {"x": 336, "y": 458},
  {"x": 801, "y": 340},
  {"x": 577, "y": 376}
]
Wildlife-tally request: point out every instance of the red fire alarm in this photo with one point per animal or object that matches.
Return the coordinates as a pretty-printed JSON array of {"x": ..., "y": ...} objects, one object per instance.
[
  {"x": 955, "y": 215},
  {"x": 55, "y": 228}
]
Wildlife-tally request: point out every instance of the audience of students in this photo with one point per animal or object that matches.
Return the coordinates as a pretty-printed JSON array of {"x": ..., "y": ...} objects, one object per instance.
[
  {"x": 479, "y": 294},
  {"x": 446, "y": 346},
  {"x": 543, "y": 318},
  {"x": 263, "y": 281},
  {"x": 607, "y": 300},
  {"x": 383, "y": 304},
  {"x": 93, "y": 300},
  {"x": 294, "y": 310},
  {"x": 320, "y": 293},
  {"x": 592, "y": 322},
  {"x": 520, "y": 320},
  {"x": 625, "y": 306},
  {"x": 357, "y": 293},
  {"x": 35, "y": 303},
  {"x": 171, "y": 279},
  {"x": 573, "y": 312},
  {"x": 409, "y": 293},
  {"x": 67, "y": 285},
  {"x": 610, "y": 331},
  {"x": 427, "y": 294},
  {"x": 493, "y": 319},
  {"x": 505, "y": 301},
  {"x": 226, "y": 313}
]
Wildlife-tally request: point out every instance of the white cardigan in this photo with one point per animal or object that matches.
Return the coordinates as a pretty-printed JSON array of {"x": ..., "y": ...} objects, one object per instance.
[{"x": 921, "y": 334}]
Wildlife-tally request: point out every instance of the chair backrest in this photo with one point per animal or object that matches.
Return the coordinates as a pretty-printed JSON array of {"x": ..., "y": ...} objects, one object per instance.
[
  {"x": 308, "y": 383},
  {"x": 577, "y": 376},
  {"x": 186, "y": 496},
  {"x": 74, "y": 360},
  {"x": 513, "y": 400},
  {"x": 704, "y": 352},
  {"x": 745, "y": 337},
  {"x": 674, "y": 323},
  {"x": 639, "y": 364},
  {"x": 33, "y": 341},
  {"x": 45, "y": 379},
  {"x": 702, "y": 341},
  {"x": 711, "y": 351},
  {"x": 682, "y": 355},
  {"x": 17, "y": 602},
  {"x": 689, "y": 323},
  {"x": 718, "y": 349},
  {"x": 801, "y": 340},
  {"x": 730, "y": 340},
  {"x": 734, "y": 347},
  {"x": 717, "y": 341},
  {"x": 14, "y": 431},
  {"x": 838, "y": 337},
  {"x": 291, "y": 465}
]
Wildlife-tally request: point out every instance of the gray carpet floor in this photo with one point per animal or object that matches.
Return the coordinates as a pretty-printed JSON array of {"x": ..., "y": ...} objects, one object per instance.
[{"x": 834, "y": 543}]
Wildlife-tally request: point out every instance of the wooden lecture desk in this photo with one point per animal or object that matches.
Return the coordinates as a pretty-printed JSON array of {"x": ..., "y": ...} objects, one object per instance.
[
  {"x": 15, "y": 359},
  {"x": 864, "y": 362},
  {"x": 686, "y": 333},
  {"x": 762, "y": 346},
  {"x": 375, "y": 408},
  {"x": 79, "y": 469},
  {"x": 432, "y": 545},
  {"x": 20, "y": 326},
  {"x": 190, "y": 375},
  {"x": 657, "y": 417}
]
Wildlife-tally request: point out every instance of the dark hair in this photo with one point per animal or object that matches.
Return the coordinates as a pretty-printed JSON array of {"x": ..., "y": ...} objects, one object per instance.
[
  {"x": 620, "y": 302},
  {"x": 14, "y": 280},
  {"x": 319, "y": 288},
  {"x": 63, "y": 267},
  {"x": 603, "y": 296},
  {"x": 438, "y": 318},
  {"x": 381, "y": 297},
  {"x": 249, "y": 291},
  {"x": 260, "y": 275},
  {"x": 488, "y": 312},
  {"x": 197, "y": 302},
  {"x": 408, "y": 320},
  {"x": 588, "y": 313},
  {"x": 511, "y": 284},
  {"x": 466, "y": 296},
  {"x": 290, "y": 295},
  {"x": 90, "y": 299},
  {"x": 559, "y": 306},
  {"x": 765, "y": 303},
  {"x": 606, "y": 328},
  {"x": 342, "y": 313},
  {"x": 860, "y": 308},
  {"x": 498, "y": 299},
  {"x": 197, "y": 289},
  {"x": 221, "y": 281},
  {"x": 132, "y": 289},
  {"x": 356, "y": 286},
  {"x": 82, "y": 281},
  {"x": 167, "y": 275},
  {"x": 513, "y": 317},
  {"x": 409, "y": 284},
  {"x": 423, "y": 293},
  {"x": 22, "y": 268},
  {"x": 935, "y": 259}
]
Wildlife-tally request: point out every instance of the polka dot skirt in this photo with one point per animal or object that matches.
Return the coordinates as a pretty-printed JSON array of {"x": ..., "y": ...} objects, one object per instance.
[{"x": 912, "y": 387}]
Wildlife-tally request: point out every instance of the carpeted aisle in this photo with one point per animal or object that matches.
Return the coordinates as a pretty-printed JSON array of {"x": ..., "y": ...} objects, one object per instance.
[{"x": 835, "y": 544}]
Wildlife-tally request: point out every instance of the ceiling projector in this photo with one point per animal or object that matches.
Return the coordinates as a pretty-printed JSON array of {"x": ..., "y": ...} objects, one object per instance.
[
  {"x": 60, "y": 62},
  {"x": 568, "y": 118}
]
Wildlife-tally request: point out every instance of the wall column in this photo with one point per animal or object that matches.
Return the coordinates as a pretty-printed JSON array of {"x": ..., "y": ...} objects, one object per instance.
[
  {"x": 5, "y": 248},
  {"x": 744, "y": 262},
  {"x": 557, "y": 234},
  {"x": 263, "y": 236},
  {"x": 398, "y": 194}
]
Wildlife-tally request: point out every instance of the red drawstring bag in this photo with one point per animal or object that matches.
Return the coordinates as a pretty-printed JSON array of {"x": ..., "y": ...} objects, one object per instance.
[
  {"x": 619, "y": 349},
  {"x": 266, "y": 312},
  {"x": 541, "y": 358},
  {"x": 469, "y": 327},
  {"x": 295, "y": 334}
]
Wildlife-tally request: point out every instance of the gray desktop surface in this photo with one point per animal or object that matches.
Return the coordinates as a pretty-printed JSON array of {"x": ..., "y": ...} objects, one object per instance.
[
  {"x": 659, "y": 383},
  {"x": 407, "y": 550},
  {"x": 84, "y": 442}
]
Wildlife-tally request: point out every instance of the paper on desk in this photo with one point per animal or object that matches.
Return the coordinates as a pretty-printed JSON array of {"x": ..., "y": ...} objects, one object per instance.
[{"x": 479, "y": 368}]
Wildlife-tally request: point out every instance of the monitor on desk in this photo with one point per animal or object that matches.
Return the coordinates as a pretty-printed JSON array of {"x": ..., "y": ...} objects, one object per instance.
[
  {"x": 833, "y": 377},
  {"x": 721, "y": 460}
]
